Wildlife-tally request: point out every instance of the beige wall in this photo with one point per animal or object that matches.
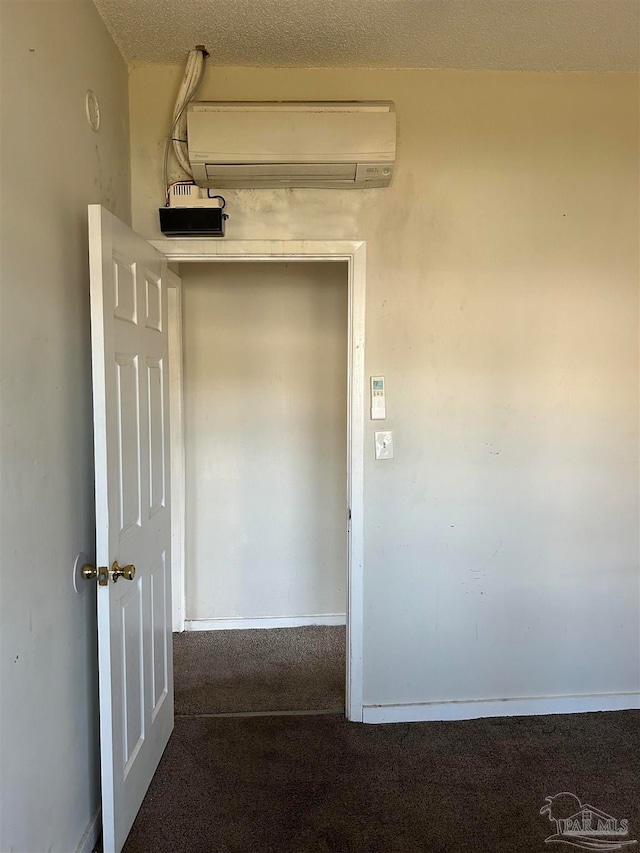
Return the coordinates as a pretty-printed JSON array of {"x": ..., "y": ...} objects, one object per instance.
[
  {"x": 265, "y": 392},
  {"x": 52, "y": 166},
  {"x": 501, "y": 544}
]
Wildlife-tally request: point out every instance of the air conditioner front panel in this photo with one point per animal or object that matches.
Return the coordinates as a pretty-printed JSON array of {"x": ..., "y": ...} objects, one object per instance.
[{"x": 290, "y": 144}]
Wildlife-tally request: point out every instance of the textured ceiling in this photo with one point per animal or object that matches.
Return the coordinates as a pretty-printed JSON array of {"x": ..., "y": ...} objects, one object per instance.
[{"x": 538, "y": 35}]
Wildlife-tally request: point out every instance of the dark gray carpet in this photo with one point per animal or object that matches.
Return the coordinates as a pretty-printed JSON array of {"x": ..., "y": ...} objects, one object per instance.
[
  {"x": 280, "y": 669},
  {"x": 322, "y": 785}
]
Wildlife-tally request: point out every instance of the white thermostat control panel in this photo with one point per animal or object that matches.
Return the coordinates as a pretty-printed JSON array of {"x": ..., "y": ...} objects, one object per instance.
[{"x": 378, "y": 404}]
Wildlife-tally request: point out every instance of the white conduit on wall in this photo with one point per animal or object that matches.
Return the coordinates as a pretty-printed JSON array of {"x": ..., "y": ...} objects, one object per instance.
[{"x": 194, "y": 72}]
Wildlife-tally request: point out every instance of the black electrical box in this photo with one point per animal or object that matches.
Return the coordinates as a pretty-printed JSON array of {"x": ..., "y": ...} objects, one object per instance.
[{"x": 192, "y": 221}]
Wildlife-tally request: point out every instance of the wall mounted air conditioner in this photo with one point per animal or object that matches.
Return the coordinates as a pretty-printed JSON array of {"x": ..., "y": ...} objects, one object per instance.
[{"x": 344, "y": 145}]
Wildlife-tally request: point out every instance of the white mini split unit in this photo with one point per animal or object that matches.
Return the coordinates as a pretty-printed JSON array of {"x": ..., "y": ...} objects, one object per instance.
[{"x": 345, "y": 145}]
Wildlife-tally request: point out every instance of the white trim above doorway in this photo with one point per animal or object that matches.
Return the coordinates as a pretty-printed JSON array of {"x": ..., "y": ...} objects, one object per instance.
[{"x": 354, "y": 254}]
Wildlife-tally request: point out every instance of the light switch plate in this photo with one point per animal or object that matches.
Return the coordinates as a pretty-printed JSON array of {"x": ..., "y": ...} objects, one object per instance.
[{"x": 384, "y": 444}]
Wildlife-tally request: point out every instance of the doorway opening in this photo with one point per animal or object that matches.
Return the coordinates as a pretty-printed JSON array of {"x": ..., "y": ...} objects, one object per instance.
[
  {"x": 266, "y": 512},
  {"x": 267, "y": 393}
]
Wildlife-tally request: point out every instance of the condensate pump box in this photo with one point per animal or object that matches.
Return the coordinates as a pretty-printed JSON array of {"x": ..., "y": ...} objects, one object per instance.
[{"x": 192, "y": 221}]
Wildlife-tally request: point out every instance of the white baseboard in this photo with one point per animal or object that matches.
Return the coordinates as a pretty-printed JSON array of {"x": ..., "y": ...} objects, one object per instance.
[
  {"x": 272, "y": 622},
  {"x": 475, "y": 709},
  {"x": 91, "y": 834}
]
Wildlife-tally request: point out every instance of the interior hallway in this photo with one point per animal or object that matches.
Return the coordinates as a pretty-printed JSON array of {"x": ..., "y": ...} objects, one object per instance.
[{"x": 259, "y": 670}]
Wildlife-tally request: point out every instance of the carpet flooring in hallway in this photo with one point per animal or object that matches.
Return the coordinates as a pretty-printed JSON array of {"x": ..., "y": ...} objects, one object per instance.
[{"x": 278, "y": 669}]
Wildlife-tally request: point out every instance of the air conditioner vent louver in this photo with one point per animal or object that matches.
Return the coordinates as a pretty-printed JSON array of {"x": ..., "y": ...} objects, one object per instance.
[
  {"x": 292, "y": 144},
  {"x": 289, "y": 174}
]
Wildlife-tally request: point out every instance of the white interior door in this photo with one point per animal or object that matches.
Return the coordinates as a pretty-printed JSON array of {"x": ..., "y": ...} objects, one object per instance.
[{"x": 133, "y": 523}]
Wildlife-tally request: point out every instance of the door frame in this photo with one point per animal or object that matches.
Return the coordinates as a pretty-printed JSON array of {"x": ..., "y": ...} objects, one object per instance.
[{"x": 353, "y": 252}]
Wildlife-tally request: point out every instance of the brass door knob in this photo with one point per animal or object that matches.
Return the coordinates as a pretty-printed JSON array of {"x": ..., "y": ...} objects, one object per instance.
[
  {"x": 103, "y": 573},
  {"x": 126, "y": 572},
  {"x": 89, "y": 572}
]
